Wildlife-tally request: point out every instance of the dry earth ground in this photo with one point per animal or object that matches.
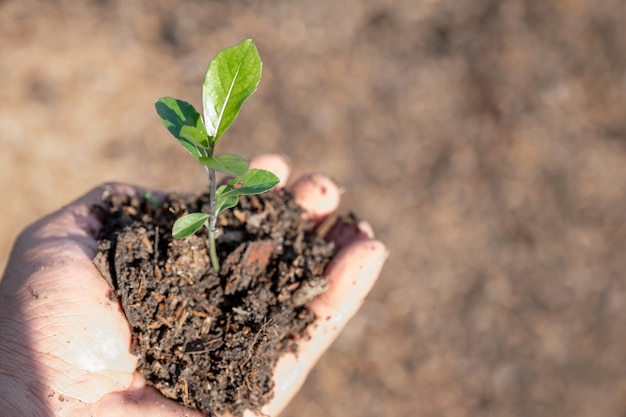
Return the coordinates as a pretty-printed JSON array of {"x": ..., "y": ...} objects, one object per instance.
[{"x": 485, "y": 140}]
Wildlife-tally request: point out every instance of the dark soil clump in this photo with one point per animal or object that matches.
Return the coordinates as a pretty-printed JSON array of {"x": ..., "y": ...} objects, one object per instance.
[{"x": 211, "y": 340}]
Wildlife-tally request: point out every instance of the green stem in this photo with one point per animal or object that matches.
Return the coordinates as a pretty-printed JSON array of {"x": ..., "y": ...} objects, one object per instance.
[
  {"x": 213, "y": 252},
  {"x": 212, "y": 219}
]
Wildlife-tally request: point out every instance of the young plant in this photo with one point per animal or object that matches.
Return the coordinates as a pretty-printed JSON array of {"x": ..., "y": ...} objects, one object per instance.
[{"x": 231, "y": 78}]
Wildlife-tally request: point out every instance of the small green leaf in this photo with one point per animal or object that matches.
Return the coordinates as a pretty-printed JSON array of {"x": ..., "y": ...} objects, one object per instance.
[
  {"x": 232, "y": 77},
  {"x": 259, "y": 181},
  {"x": 152, "y": 199},
  {"x": 195, "y": 135},
  {"x": 224, "y": 203},
  {"x": 189, "y": 224},
  {"x": 228, "y": 164},
  {"x": 255, "y": 181},
  {"x": 177, "y": 113}
]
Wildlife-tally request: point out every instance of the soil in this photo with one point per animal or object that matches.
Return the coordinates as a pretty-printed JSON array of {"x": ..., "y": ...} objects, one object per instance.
[{"x": 211, "y": 340}]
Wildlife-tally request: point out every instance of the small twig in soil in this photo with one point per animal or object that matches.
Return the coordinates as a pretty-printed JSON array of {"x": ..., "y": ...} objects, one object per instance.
[
  {"x": 156, "y": 245},
  {"x": 255, "y": 340}
]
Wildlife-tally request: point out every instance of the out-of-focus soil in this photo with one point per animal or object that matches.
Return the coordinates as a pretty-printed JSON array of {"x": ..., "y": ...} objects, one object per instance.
[{"x": 484, "y": 140}]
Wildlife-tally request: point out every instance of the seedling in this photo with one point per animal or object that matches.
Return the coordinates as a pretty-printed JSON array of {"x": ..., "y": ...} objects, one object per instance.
[{"x": 231, "y": 78}]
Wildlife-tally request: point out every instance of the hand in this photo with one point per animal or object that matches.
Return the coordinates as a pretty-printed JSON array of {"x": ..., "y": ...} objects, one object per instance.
[{"x": 64, "y": 342}]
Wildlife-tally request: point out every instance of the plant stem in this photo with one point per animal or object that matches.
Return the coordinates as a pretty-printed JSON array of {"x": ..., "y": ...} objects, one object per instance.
[{"x": 212, "y": 219}]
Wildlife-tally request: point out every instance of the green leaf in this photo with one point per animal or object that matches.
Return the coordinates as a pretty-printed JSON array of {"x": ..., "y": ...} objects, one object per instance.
[
  {"x": 224, "y": 203},
  {"x": 152, "y": 199},
  {"x": 232, "y": 77},
  {"x": 228, "y": 164},
  {"x": 196, "y": 136},
  {"x": 189, "y": 224},
  {"x": 255, "y": 181},
  {"x": 176, "y": 114}
]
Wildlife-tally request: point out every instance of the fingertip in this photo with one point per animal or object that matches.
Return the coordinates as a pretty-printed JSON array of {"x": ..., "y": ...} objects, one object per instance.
[
  {"x": 278, "y": 164},
  {"x": 317, "y": 194}
]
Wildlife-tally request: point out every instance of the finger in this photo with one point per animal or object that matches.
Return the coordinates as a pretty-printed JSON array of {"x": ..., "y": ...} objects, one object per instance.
[
  {"x": 140, "y": 401},
  {"x": 59, "y": 237},
  {"x": 77, "y": 219},
  {"x": 275, "y": 163},
  {"x": 348, "y": 230},
  {"x": 96, "y": 196},
  {"x": 352, "y": 273},
  {"x": 67, "y": 235},
  {"x": 318, "y": 195}
]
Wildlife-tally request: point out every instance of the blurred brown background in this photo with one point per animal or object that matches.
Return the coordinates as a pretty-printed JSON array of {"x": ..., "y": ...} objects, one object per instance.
[{"x": 484, "y": 140}]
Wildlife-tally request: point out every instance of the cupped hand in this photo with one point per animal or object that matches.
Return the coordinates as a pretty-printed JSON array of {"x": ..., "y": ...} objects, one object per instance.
[{"x": 65, "y": 343}]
